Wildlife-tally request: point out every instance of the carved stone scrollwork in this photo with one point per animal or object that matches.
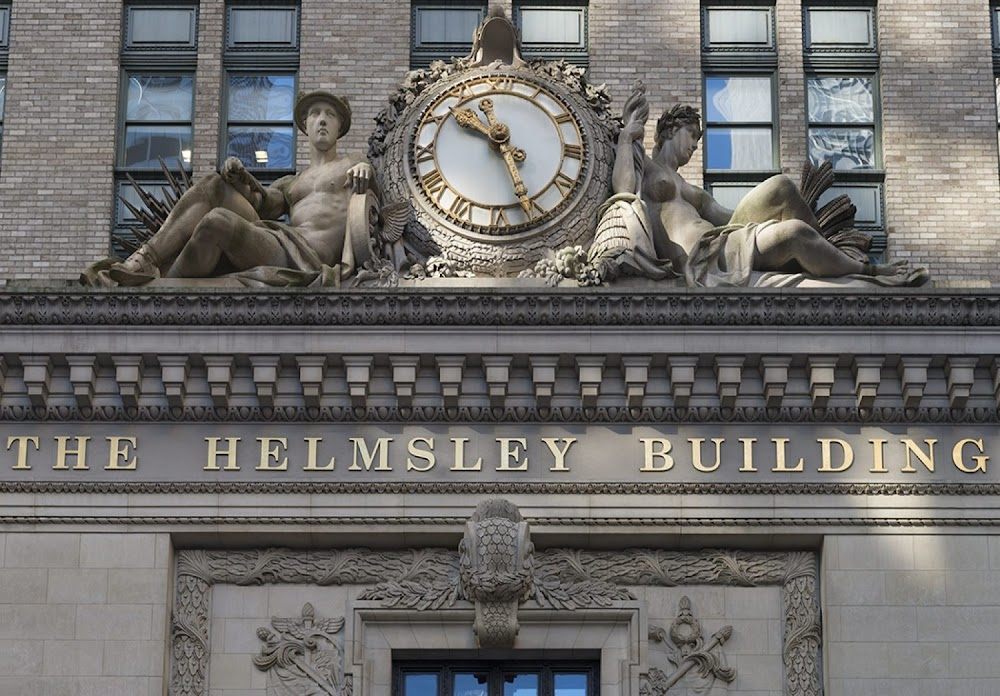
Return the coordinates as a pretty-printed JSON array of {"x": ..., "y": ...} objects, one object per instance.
[
  {"x": 496, "y": 569},
  {"x": 302, "y": 655}
]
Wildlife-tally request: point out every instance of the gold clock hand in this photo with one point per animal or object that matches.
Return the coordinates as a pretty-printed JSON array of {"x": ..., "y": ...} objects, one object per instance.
[
  {"x": 466, "y": 118},
  {"x": 500, "y": 135}
]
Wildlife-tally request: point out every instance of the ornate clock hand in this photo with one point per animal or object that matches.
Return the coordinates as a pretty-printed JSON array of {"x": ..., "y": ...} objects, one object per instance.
[{"x": 499, "y": 134}]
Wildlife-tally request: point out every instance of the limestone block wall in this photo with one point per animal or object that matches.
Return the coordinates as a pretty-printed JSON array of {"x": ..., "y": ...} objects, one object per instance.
[
  {"x": 911, "y": 614},
  {"x": 83, "y": 614}
]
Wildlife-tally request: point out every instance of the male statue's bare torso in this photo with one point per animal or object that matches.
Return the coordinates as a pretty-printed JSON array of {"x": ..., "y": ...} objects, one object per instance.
[{"x": 318, "y": 199}]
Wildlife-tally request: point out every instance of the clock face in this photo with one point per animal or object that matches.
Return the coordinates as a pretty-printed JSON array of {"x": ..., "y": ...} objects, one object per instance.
[{"x": 497, "y": 155}]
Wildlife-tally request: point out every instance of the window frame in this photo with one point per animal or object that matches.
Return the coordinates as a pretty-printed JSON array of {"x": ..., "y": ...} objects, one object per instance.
[
  {"x": 708, "y": 47},
  {"x": 422, "y": 54},
  {"x": 164, "y": 59},
  {"x": 850, "y": 60},
  {"x": 446, "y": 670},
  {"x": 261, "y": 59},
  {"x": 578, "y": 53}
]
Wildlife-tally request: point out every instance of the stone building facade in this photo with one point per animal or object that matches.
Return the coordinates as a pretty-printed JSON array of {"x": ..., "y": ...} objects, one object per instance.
[{"x": 563, "y": 484}]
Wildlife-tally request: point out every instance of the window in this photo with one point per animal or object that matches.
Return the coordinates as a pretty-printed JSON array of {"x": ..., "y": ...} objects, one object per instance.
[
  {"x": 159, "y": 54},
  {"x": 262, "y": 59},
  {"x": 739, "y": 61},
  {"x": 553, "y": 31},
  {"x": 842, "y": 100},
  {"x": 4, "y": 53},
  {"x": 492, "y": 679},
  {"x": 995, "y": 24},
  {"x": 442, "y": 30}
]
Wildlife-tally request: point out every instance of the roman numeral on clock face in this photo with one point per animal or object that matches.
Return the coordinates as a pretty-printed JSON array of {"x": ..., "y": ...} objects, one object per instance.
[
  {"x": 574, "y": 151},
  {"x": 423, "y": 153},
  {"x": 433, "y": 184},
  {"x": 460, "y": 207},
  {"x": 563, "y": 183}
]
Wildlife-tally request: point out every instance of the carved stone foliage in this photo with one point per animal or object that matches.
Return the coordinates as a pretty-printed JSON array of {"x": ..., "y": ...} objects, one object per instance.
[
  {"x": 633, "y": 307},
  {"x": 302, "y": 655},
  {"x": 428, "y": 579},
  {"x": 703, "y": 663}
]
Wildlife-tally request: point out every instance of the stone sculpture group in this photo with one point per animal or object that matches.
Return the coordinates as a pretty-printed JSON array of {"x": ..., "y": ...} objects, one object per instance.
[{"x": 654, "y": 224}]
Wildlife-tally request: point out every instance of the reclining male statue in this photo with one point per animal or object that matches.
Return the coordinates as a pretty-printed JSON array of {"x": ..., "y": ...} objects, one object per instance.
[
  {"x": 228, "y": 223},
  {"x": 678, "y": 229}
]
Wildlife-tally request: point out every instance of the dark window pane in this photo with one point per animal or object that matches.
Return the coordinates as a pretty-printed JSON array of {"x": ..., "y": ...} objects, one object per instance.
[
  {"x": 841, "y": 100},
  {"x": 738, "y": 99},
  {"x": 439, "y": 25},
  {"x": 273, "y": 26},
  {"x": 844, "y": 148},
  {"x": 867, "y": 199},
  {"x": 747, "y": 27},
  {"x": 261, "y": 97},
  {"x": 551, "y": 25},
  {"x": 420, "y": 685},
  {"x": 159, "y": 98},
  {"x": 998, "y": 98},
  {"x": 471, "y": 684},
  {"x": 151, "y": 26},
  {"x": 840, "y": 27},
  {"x": 570, "y": 685},
  {"x": 4, "y": 26},
  {"x": 739, "y": 148},
  {"x": 144, "y": 144},
  {"x": 520, "y": 685},
  {"x": 262, "y": 147}
]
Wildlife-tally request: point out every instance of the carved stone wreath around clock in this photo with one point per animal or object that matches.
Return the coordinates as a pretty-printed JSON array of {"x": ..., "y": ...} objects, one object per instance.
[{"x": 501, "y": 163}]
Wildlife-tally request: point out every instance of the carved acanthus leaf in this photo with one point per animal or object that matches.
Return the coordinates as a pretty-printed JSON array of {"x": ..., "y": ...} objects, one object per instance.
[{"x": 413, "y": 594}]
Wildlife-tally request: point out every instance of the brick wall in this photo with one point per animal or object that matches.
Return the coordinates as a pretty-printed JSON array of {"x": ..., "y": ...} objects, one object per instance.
[
  {"x": 59, "y": 137},
  {"x": 940, "y": 137},
  {"x": 656, "y": 42},
  {"x": 358, "y": 50}
]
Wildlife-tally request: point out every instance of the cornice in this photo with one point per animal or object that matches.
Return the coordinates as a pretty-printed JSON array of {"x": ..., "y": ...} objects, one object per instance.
[
  {"x": 493, "y": 488},
  {"x": 504, "y": 307}
]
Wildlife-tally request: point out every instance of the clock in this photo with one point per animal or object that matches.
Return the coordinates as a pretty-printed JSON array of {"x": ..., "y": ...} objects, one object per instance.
[
  {"x": 501, "y": 164},
  {"x": 497, "y": 155}
]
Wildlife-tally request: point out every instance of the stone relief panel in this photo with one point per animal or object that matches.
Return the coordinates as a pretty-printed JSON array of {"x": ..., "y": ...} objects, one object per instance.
[{"x": 270, "y": 622}]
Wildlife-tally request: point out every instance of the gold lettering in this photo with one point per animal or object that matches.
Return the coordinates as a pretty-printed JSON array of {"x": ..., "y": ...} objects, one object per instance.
[
  {"x": 427, "y": 454},
  {"x": 22, "y": 448},
  {"x": 368, "y": 458},
  {"x": 214, "y": 453},
  {"x": 826, "y": 467},
  {"x": 118, "y": 449},
  {"x": 460, "y": 456},
  {"x": 559, "y": 454},
  {"x": 696, "y": 443},
  {"x": 878, "y": 457},
  {"x": 507, "y": 453},
  {"x": 651, "y": 453},
  {"x": 80, "y": 452},
  {"x": 779, "y": 457},
  {"x": 312, "y": 447},
  {"x": 980, "y": 459},
  {"x": 267, "y": 453},
  {"x": 748, "y": 466},
  {"x": 913, "y": 450}
]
